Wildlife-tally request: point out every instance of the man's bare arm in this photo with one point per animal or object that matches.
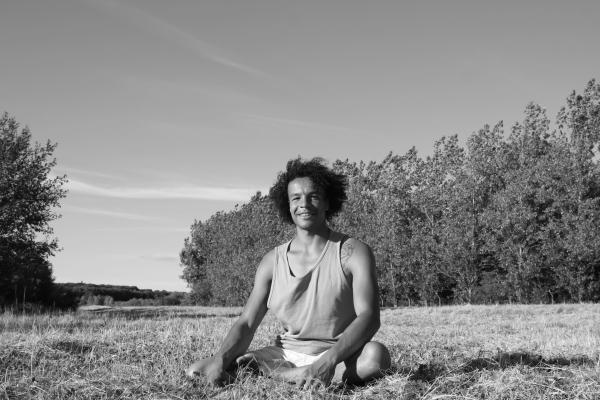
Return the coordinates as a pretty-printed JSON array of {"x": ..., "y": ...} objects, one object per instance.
[{"x": 240, "y": 335}]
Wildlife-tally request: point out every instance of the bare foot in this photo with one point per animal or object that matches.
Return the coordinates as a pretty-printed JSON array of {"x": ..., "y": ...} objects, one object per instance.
[{"x": 247, "y": 362}]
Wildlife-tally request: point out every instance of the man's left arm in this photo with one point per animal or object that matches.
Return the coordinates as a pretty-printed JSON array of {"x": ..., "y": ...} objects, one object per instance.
[{"x": 359, "y": 263}]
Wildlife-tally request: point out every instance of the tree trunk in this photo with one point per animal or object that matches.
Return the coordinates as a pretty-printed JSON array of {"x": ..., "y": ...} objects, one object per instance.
[{"x": 393, "y": 281}]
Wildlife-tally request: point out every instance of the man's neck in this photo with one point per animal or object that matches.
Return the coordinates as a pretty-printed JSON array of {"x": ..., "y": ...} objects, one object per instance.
[{"x": 309, "y": 238}]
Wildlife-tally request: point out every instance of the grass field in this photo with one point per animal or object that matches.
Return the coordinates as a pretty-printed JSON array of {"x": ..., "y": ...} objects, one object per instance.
[{"x": 458, "y": 352}]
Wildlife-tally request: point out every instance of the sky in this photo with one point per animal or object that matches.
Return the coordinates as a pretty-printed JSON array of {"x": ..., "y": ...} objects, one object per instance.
[{"x": 167, "y": 112}]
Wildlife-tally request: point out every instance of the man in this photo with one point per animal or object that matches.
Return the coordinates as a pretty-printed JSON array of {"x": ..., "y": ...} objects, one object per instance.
[{"x": 321, "y": 285}]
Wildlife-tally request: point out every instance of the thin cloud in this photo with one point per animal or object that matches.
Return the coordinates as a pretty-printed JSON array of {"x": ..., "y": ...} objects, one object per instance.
[
  {"x": 181, "y": 37},
  {"x": 86, "y": 172},
  {"x": 163, "y": 257},
  {"x": 166, "y": 192},
  {"x": 114, "y": 214},
  {"x": 143, "y": 229},
  {"x": 295, "y": 123}
]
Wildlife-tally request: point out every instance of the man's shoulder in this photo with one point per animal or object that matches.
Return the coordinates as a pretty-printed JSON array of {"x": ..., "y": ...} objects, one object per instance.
[
  {"x": 353, "y": 245},
  {"x": 354, "y": 252},
  {"x": 270, "y": 256},
  {"x": 266, "y": 265}
]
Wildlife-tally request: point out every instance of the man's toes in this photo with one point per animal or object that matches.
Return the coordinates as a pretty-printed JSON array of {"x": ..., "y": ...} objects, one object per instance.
[
  {"x": 244, "y": 359},
  {"x": 190, "y": 372},
  {"x": 247, "y": 361}
]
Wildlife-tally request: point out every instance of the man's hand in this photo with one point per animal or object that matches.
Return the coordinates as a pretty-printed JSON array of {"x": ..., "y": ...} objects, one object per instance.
[
  {"x": 211, "y": 369},
  {"x": 319, "y": 373}
]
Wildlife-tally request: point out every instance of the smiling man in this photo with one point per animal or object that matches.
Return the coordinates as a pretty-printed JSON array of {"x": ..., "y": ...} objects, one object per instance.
[{"x": 321, "y": 285}]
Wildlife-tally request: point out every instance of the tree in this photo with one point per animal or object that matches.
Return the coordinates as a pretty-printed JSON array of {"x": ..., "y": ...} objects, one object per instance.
[
  {"x": 517, "y": 218},
  {"x": 28, "y": 196},
  {"x": 579, "y": 126},
  {"x": 434, "y": 242},
  {"x": 220, "y": 257}
]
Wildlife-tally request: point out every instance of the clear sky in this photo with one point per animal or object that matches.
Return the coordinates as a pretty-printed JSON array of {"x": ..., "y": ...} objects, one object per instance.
[{"x": 168, "y": 111}]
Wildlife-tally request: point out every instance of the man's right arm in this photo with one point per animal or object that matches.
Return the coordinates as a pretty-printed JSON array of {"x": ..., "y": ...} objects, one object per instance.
[{"x": 241, "y": 333}]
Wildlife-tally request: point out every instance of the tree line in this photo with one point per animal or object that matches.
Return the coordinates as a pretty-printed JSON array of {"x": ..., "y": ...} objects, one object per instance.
[
  {"x": 505, "y": 217},
  {"x": 108, "y": 295},
  {"x": 29, "y": 199}
]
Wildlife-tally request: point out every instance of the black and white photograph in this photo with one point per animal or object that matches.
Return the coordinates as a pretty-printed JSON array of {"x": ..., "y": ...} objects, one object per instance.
[{"x": 335, "y": 199}]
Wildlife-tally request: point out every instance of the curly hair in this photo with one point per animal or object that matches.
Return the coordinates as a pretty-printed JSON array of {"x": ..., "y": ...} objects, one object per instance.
[{"x": 332, "y": 184}]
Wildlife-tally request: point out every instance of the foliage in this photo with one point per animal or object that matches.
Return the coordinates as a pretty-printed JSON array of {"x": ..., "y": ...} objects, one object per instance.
[
  {"x": 222, "y": 254},
  {"x": 28, "y": 197},
  {"x": 505, "y": 218},
  {"x": 99, "y": 294}
]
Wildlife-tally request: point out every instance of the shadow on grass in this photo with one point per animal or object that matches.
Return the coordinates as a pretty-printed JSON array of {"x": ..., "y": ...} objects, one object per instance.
[
  {"x": 145, "y": 313},
  {"x": 431, "y": 371},
  {"x": 13, "y": 359},
  {"x": 348, "y": 389},
  {"x": 72, "y": 347}
]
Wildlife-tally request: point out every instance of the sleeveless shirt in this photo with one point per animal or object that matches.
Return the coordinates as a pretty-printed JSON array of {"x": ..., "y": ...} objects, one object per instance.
[{"x": 315, "y": 308}]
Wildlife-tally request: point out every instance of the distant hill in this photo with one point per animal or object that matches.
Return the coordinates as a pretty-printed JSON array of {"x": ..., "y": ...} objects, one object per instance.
[{"x": 89, "y": 293}]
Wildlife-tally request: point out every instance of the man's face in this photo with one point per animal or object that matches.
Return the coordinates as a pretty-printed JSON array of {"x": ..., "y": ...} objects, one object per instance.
[{"x": 308, "y": 204}]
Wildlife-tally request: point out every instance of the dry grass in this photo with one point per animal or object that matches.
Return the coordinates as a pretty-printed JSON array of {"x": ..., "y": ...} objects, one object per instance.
[{"x": 459, "y": 352}]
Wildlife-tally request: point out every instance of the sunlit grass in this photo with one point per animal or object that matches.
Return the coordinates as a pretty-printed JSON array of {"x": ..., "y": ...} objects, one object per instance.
[{"x": 480, "y": 352}]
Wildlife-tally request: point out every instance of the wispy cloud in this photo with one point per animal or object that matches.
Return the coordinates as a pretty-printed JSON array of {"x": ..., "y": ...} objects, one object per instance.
[
  {"x": 163, "y": 257},
  {"x": 270, "y": 120},
  {"x": 179, "y": 36},
  {"x": 158, "y": 229},
  {"x": 164, "y": 192},
  {"x": 115, "y": 214},
  {"x": 79, "y": 171}
]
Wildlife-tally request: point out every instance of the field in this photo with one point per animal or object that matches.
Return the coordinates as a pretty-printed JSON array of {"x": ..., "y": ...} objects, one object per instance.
[{"x": 457, "y": 352}]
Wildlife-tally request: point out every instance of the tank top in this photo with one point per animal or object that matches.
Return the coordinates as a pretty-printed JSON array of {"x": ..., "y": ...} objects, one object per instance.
[{"x": 316, "y": 308}]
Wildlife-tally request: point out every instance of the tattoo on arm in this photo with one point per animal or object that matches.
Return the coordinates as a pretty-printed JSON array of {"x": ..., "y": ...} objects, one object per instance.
[{"x": 346, "y": 253}]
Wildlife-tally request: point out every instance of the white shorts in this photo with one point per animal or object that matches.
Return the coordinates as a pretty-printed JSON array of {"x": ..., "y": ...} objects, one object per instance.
[{"x": 274, "y": 356}]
